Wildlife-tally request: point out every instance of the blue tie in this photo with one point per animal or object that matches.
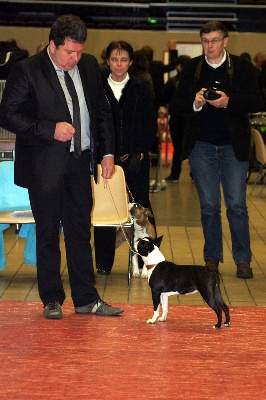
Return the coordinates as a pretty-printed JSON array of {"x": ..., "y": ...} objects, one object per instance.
[{"x": 76, "y": 114}]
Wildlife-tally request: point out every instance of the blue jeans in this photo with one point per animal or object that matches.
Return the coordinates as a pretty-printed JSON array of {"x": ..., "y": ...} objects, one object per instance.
[{"x": 213, "y": 167}]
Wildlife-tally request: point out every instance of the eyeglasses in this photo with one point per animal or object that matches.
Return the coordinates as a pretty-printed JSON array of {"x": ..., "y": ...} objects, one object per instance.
[{"x": 213, "y": 41}]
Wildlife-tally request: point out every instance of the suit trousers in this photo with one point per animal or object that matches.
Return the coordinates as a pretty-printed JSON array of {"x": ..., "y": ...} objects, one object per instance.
[
  {"x": 105, "y": 237},
  {"x": 69, "y": 204}
]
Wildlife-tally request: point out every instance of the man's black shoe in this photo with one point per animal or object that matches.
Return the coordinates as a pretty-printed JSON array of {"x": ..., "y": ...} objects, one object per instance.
[
  {"x": 244, "y": 271},
  {"x": 171, "y": 179},
  {"x": 103, "y": 271},
  {"x": 212, "y": 264},
  {"x": 99, "y": 307},
  {"x": 52, "y": 310}
]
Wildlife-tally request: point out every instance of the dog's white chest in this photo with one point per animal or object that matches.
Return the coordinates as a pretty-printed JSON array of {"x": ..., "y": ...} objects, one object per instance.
[
  {"x": 177, "y": 293},
  {"x": 170, "y": 293}
]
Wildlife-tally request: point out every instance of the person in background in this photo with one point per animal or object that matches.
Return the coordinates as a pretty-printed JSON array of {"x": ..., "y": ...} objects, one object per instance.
[
  {"x": 140, "y": 69},
  {"x": 104, "y": 67},
  {"x": 259, "y": 60},
  {"x": 217, "y": 91},
  {"x": 10, "y": 53},
  {"x": 135, "y": 121},
  {"x": 55, "y": 104},
  {"x": 157, "y": 69},
  {"x": 40, "y": 47},
  {"x": 246, "y": 55},
  {"x": 177, "y": 121}
]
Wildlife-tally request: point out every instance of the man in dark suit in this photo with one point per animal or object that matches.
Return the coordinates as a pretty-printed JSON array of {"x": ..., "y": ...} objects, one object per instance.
[
  {"x": 41, "y": 110},
  {"x": 217, "y": 141}
]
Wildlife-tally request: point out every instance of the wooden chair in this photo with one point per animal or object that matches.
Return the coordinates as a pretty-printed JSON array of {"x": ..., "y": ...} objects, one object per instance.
[
  {"x": 110, "y": 202},
  {"x": 111, "y": 206},
  {"x": 260, "y": 151}
]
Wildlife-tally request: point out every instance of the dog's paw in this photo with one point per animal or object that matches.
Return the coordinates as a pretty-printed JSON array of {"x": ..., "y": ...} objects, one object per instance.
[
  {"x": 162, "y": 319},
  {"x": 150, "y": 321},
  {"x": 144, "y": 275},
  {"x": 136, "y": 274}
]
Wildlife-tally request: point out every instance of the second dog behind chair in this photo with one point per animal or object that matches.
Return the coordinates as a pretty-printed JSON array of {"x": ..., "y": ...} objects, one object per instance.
[{"x": 142, "y": 228}]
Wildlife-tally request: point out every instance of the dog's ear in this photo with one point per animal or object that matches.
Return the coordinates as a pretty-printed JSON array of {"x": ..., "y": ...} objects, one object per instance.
[
  {"x": 148, "y": 212},
  {"x": 158, "y": 241}
]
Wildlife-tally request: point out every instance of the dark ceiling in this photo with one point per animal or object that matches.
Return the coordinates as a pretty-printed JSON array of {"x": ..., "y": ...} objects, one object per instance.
[{"x": 171, "y": 15}]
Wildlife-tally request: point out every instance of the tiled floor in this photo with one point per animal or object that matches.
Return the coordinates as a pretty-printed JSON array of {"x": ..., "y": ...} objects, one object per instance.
[{"x": 177, "y": 214}]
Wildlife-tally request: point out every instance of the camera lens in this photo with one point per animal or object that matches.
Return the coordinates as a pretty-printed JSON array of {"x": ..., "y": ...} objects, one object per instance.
[{"x": 211, "y": 94}]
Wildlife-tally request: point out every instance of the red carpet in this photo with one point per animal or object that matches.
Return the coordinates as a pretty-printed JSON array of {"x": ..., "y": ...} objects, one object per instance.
[{"x": 91, "y": 357}]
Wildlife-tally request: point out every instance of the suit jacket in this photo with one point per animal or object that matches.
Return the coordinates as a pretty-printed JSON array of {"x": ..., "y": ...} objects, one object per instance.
[
  {"x": 33, "y": 102},
  {"x": 244, "y": 98}
]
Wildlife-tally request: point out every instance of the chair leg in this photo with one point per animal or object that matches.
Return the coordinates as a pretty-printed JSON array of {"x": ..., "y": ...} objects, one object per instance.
[
  {"x": 131, "y": 241},
  {"x": 257, "y": 179},
  {"x": 263, "y": 185}
]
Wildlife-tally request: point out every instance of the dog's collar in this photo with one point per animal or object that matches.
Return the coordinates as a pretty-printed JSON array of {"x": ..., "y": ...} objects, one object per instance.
[{"x": 151, "y": 266}]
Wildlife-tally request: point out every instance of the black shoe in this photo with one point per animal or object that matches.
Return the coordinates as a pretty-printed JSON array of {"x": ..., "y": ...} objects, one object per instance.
[
  {"x": 99, "y": 307},
  {"x": 212, "y": 264},
  {"x": 52, "y": 310},
  {"x": 244, "y": 271},
  {"x": 103, "y": 271},
  {"x": 171, "y": 179}
]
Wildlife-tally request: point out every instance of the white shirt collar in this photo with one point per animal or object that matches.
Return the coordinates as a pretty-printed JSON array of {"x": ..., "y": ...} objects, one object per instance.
[{"x": 216, "y": 65}]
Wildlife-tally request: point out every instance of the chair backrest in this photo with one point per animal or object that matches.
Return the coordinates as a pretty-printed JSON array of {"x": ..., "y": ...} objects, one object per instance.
[
  {"x": 260, "y": 148},
  {"x": 12, "y": 197},
  {"x": 110, "y": 199}
]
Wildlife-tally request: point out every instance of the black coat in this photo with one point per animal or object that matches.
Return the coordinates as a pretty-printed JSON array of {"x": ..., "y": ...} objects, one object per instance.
[
  {"x": 135, "y": 118},
  {"x": 33, "y": 102},
  {"x": 244, "y": 98},
  {"x": 157, "y": 69}
]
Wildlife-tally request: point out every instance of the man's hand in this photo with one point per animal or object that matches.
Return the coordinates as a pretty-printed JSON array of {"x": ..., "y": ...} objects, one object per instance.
[
  {"x": 172, "y": 44},
  {"x": 199, "y": 99},
  {"x": 108, "y": 167},
  {"x": 222, "y": 102},
  {"x": 63, "y": 131}
]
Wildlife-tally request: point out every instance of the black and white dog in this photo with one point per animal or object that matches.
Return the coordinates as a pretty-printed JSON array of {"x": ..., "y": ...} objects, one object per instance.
[{"x": 167, "y": 279}]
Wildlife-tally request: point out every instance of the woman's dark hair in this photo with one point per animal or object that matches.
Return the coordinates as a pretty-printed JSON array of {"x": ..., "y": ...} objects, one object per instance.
[
  {"x": 214, "y": 26},
  {"x": 68, "y": 26},
  {"x": 120, "y": 46}
]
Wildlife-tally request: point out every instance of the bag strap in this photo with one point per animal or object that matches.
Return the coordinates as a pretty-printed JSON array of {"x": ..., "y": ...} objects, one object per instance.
[{"x": 229, "y": 68}]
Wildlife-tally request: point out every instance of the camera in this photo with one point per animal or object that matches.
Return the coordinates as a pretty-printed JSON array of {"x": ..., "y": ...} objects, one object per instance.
[{"x": 210, "y": 94}]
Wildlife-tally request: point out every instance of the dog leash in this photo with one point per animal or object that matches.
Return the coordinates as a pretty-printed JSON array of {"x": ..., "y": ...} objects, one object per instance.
[
  {"x": 106, "y": 184},
  {"x": 130, "y": 193}
]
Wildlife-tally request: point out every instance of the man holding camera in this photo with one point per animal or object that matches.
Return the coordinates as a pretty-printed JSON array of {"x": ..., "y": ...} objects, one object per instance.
[{"x": 217, "y": 91}]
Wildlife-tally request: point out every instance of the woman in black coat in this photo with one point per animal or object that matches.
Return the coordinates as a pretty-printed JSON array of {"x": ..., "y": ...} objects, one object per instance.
[{"x": 135, "y": 121}]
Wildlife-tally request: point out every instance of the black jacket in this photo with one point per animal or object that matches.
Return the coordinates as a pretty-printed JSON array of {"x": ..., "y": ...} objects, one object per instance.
[
  {"x": 244, "y": 98},
  {"x": 33, "y": 102},
  {"x": 135, "y": 118}
]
